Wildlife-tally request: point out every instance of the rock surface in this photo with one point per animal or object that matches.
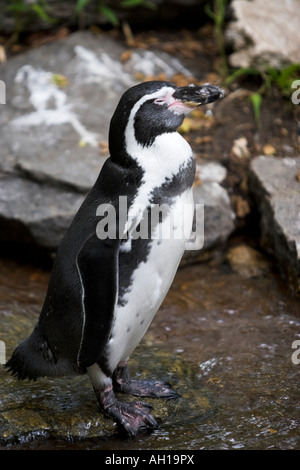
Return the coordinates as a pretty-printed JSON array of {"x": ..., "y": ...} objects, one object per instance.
[
  {"x": 66, "y": 408},
  {"x": 258, "y": 37},
  {"x": 60, "y": 98},
  {"x": 275, "y": 187},
  {"x": 31, "y": 213},
  {"x": 227, "y": 330},
  {"x": 214, "y": 216}
]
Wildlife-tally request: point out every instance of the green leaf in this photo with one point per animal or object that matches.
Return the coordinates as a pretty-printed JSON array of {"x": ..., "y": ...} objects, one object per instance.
[
  {"x": 256, "y": 102},
  {"x": 17, "y": 7},
  {"x": 39, "y": 10},
  {"x": 109, "y": 14},
  {"x": 150, "y": 5},
  {"x": 239, "y": 73},
  {"x": 287, "y": 76},
  {"x": 131, "y": 3},
  {"x": 210, "y": 12},
  {"x": 138, "y": 3},
  {"x": 80, "y": 5}
]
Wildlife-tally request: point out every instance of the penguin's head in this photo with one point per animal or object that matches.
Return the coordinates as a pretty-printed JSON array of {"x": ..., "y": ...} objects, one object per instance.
[{"x": 152, "y": 108}]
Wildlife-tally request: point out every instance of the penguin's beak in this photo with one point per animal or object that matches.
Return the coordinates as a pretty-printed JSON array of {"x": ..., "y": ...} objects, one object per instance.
[{"x": 193, "y": 96}]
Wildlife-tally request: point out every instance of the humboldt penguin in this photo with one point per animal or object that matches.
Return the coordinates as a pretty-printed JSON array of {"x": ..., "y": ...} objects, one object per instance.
[{"x": 120, "y": 254}]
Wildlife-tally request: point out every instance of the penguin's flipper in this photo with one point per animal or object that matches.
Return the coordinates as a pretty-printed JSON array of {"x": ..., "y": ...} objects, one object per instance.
[{"x": 97, "y": 264}]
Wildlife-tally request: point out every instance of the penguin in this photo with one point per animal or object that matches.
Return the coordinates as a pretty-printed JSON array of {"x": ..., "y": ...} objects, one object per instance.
[{"x": 114, "y": 267}]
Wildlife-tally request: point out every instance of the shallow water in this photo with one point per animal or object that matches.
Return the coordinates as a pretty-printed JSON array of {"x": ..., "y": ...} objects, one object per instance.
[{"x": 230, "y": 338}]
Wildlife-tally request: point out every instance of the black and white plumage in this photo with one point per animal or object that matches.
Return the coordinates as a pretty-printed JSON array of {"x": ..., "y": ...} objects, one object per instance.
[{"x": 104, "y": 293}]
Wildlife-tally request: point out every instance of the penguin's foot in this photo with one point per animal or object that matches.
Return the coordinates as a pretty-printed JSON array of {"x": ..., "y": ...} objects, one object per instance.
[
  {"x": 149, "y": 388},
  {"x": 130, "y": 417},
  {"x": 141, "y": 388}
]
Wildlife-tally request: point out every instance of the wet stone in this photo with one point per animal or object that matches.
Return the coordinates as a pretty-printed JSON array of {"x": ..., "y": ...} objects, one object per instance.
[
  {"x": 66, "y": 408},
  {"x": 214, "y": 218},
  {"x": 247, "y": 261},
  {"x": 274, "y": 185}
]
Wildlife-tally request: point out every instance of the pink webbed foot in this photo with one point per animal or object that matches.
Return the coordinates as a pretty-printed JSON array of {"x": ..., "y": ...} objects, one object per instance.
[
  {"x": 141, "y": 388},
  {"x": 130, "y": 417}
]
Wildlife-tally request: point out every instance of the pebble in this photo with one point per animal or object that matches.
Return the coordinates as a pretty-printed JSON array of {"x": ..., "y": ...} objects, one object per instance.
[{"x": 247, "y": 262}]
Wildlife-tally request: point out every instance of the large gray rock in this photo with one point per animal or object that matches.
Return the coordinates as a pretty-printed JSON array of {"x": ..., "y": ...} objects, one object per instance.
[
  {"x": 59, "y": 101},
  {"x": 264, "y": 32},
  {"x": 214, "y": 219},
  {"x": 275, "y": 186},
  {"x": 31, "y": 213}
]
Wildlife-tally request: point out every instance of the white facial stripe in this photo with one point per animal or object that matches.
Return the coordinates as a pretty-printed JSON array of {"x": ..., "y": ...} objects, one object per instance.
[
  {"x": 164, "y": 96},
  {"x": 167, "y": 97},
  {"x": 162, "y": 160},
  {"x": 162, "y": 92},
  {"x": 135, "y": 149},
  {"x": 171, "y": 146}
]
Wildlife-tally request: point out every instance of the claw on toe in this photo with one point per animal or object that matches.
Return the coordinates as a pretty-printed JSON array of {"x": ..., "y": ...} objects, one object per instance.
[
  {"x": 142, "y": 388},
  {"x": 130, "y": 417},
  {"x": 135, "y": 417},
  {"x": 151, "y": 388}
]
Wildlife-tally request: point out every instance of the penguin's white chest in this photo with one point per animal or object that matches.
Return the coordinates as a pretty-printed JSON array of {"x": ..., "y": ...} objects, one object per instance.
[{"x": 151, "y": 279}]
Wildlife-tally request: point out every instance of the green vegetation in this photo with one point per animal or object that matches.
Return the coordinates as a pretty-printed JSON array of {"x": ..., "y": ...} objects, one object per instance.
[
  {"x": 256, "y": 103},
  {"x": 21, "y": 10},
  {"x": 282, "y": 79},
  {"x": 217, "y": 14},
  {"x": 271, "y": 78},
  {"x": 107, "y": 11}
]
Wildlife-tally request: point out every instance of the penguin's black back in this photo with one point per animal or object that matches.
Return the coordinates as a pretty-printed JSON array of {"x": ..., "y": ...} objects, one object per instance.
[{"x": 52, "y": 348}]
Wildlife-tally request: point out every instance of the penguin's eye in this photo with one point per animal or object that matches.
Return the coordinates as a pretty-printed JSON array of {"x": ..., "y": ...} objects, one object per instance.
[{"x": 160, "y": 101}]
